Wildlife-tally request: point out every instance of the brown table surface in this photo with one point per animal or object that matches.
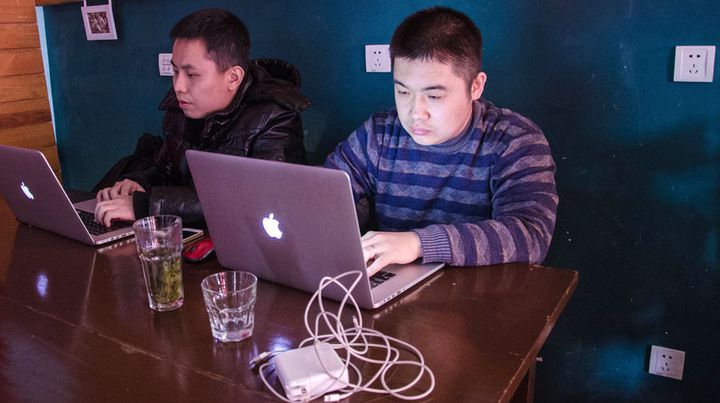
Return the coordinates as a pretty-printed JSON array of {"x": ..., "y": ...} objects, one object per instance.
[{"x": 75, "y": 326}]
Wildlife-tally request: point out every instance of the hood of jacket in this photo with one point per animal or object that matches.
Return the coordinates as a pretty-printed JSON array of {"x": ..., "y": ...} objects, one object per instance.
[{"x": 278, "y": 83}]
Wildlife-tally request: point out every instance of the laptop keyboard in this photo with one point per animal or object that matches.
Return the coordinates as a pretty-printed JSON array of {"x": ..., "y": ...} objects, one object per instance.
[
  {"x": 96, "y": 228},
  {"x": 380, "y": 277}
]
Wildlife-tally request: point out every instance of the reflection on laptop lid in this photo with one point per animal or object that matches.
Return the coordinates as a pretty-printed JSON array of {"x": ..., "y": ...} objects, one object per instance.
[
  {"x": 290, "y": 224},
  {"x": 35, "y": 196}
]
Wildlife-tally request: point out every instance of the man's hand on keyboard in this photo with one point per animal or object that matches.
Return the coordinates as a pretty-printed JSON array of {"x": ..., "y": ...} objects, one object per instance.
[
  {"x": 119, "y": 208},
  {"x": 125, "y": 187},
  {"x": 384, "y": 248}
]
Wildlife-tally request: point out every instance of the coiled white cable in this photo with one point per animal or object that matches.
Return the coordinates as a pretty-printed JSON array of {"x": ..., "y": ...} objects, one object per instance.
[{"x": 354, "y": 344}]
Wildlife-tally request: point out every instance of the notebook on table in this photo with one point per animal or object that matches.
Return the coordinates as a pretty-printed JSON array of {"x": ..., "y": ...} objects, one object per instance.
[
  {"x": 291, "y": 224},
  {"x": 36, "y": 197}
]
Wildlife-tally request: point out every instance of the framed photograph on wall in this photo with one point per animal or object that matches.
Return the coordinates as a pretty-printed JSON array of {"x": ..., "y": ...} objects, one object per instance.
[{"x": 99, "y": 22}]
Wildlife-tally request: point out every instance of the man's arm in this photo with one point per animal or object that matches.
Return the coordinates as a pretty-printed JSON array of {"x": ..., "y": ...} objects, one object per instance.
[
  {"x": 524, "y": 208},
  {"x": 127, "y": 199},
  {"x": 357, "y": 157},
  {"x": 172, "y": 200}
]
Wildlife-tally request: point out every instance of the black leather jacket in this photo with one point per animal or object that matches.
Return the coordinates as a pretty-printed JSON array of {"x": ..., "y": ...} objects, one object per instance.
[{"x": 262, "y": 121}]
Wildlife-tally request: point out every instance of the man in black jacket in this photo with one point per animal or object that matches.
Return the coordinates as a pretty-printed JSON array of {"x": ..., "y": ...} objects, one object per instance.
[{"x": 220, "y": 102}]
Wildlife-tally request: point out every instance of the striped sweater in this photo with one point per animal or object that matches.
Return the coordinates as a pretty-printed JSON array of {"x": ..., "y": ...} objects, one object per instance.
[{"x": 486, "y": 197}]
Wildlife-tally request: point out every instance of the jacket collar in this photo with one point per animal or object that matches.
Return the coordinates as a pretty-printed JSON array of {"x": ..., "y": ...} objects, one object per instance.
[{"x": 257, "y": 85}]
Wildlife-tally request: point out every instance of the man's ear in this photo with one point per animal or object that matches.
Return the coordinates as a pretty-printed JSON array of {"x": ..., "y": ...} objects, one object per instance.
[
  {"x": 235, "y": 75},
  {"x": 478, "y": 85}
]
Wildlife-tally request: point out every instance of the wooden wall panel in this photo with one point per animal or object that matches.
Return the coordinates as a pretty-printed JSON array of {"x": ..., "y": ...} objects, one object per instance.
[
  {"x": 17, "y": 11},
  {"x": 20, "y": 61},
  {"x": 24, "y": 106},
  {"x": 21, "y": 113},
  {"x": 35, "y": 136},
  {"x": 18, "y": 36},
  {"x": 25, "y": 119},
  {"x": 18, "y": 88}
]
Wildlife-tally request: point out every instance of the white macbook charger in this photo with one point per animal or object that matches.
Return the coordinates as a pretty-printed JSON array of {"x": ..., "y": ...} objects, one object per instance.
[{"x": 308, "y": 372}]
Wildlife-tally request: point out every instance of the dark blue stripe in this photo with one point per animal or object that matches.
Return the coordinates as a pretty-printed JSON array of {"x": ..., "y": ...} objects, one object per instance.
[
  {"x": 543, "y": 199},
  {"x": 494, "y": 244},
  {"x": 521, "y": 247},
  {"x": 468, "y": 243},
  {"x": 522, "y": 181},
  {"x": 459, "y": 158},
  {"x": 448, "y": 206},
  {"x": 380, "y": 121},
  {"x": 396, "y": 224}
]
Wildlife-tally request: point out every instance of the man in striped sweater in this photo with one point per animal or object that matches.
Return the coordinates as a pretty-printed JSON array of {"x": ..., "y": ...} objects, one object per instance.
[{"x": 447, "y": 176}]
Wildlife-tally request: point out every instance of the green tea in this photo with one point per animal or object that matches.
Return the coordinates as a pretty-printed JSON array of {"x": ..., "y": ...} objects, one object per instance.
[{"x": 163, "y": 275}]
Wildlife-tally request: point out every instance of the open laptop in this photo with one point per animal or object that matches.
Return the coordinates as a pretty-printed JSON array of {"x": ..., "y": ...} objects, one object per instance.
[
  {"x": 33, "y": 192},
  {"x": 291, "y": 224}
]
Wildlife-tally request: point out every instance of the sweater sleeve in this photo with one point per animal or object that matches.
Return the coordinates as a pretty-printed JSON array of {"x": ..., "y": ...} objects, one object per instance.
[
  {"x": 355, "y": 156},
  {"x": 524, "y": 207}
]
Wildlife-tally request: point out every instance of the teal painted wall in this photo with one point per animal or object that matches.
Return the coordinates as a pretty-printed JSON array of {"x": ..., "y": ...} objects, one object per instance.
[{"x": 638, "y": 155}]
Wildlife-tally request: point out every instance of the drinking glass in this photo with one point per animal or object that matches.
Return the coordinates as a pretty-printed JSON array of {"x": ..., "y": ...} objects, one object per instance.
[
  {"x": 159, "y": 246},
  {"x": 230, "y": 303}
]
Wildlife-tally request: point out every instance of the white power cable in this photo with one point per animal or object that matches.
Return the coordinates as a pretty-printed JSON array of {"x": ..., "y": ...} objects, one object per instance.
[{"x": 354, "y": 343}]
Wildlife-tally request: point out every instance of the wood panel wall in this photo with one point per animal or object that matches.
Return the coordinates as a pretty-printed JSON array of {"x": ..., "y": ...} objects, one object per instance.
[{"x": 25, "y": 119}]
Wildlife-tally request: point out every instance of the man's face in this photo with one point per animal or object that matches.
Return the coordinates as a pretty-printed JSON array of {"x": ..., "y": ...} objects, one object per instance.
[
  {"x": 200, "y": 88},
  {"x": 434, "y": 104}
]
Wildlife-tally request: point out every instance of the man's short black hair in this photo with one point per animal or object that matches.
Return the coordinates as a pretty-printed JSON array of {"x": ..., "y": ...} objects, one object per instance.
[
  {"x": 440, "y": 34},
  {"x": 224, "y": 35}
]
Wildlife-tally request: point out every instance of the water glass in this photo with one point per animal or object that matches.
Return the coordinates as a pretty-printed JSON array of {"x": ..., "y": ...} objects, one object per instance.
[
  {"x": 230, "y": 303},
  {"x": 159, "y": 246}
]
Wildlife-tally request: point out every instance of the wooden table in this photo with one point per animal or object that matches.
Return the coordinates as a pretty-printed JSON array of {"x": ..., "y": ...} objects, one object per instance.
[{"x": 75, "y": 326}]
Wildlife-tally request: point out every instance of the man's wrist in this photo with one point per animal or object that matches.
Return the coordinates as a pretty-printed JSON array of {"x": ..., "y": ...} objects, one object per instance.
[{"x": 434, "y": 244}]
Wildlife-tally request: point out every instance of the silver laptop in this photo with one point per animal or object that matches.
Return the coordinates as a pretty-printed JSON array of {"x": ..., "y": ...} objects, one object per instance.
[
  {"x": 291, "y": 224},
  {"x": 33, "y": 192}
]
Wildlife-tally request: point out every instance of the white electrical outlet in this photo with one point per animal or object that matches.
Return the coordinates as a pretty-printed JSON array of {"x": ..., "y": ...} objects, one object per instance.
[
  {"x": 666, "y": 362},
  {"x": 164, "y": 65},
  {"x": 694, "y": 63},
  {"x": 377, "y": 58}
]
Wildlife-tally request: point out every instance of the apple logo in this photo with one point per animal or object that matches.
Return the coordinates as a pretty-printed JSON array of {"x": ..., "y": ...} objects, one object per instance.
[
  {"x": 272, "y": 226},
  {"x": 27, "y": 191}
]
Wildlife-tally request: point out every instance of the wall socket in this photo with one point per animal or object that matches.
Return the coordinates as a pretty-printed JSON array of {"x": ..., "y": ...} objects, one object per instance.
[
  {"x": 377, "y": 58},
  {"x": 666, "y": 362},
  {"x": 164, "y": 65},
  {"x": 694, "y": 63}
]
